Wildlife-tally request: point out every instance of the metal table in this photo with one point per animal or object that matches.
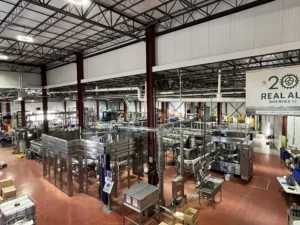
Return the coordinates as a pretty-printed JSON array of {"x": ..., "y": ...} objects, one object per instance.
[{"x": 210, "y": 193}]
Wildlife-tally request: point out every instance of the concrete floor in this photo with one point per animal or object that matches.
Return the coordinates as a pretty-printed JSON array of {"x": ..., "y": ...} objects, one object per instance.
[{"x": 258, "y": 203}]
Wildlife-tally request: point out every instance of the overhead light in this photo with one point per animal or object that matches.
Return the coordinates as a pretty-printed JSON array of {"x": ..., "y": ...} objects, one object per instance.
[
  {"x": 24, "y": 38},
  {"x": 79, "y": 2},
  {"x": 32, "y": 100},
  {"x": 3, "y": 57},
  {"x": 67, "y": 98},
  {"x": 167, "y": 93},
  {"x": 90, "y": 97}
]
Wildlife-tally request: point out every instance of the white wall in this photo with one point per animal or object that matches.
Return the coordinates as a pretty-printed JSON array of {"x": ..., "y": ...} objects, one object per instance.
[
  {"x": 70, "y": 105},
  {"x": 31, "y": 107},
  {"x": 275, "y": 124},
  {"x": 267, "y": 25},
  {"x": 125, "y": 59},
  {"x": 62, "y": 75},
  {"x": 293, "y": 130},
  {"x": 11, "y": 80}
]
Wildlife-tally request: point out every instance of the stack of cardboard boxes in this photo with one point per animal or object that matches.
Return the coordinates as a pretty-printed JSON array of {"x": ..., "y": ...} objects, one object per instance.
[
  {"x": 7, "y": 190},
  {"x": 189, "y": 217}
]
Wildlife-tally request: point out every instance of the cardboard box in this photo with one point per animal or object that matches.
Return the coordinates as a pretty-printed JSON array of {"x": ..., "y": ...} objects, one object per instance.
[
  {"x": 1, "y": 199},
  {"x": 162, "y": 223},
  {"x": 5, "y": 183},
  {"x": 190, "y": 216},
  {"x": 178, "y": 218},
  {"x": 9, "y": 192}
]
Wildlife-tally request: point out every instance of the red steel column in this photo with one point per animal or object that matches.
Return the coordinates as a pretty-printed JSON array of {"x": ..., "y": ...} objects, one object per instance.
[
  {"x": 284, "y": 126},
  {"x": 150, "y": 77},
  {"x": 23, "y": 118},
  {"x": 8, "y": 111},
  {"x": 140, "y": 106},
  {"x": 97, "y": 110},
  {"x": 80, "y": 89},
  {"x": 45, "y": 98},
  {"x": 1, "y": 113},
  {"x": 163, "y": 113},
  {"x": 65, "y": 108},
  {"x": 284, "y": 131},
  {"x": 219, "y": 112},
  {"x": 167, "y": 110},
  {"x": 199, "y": 111},
  {"x": 125, "y": 112}
]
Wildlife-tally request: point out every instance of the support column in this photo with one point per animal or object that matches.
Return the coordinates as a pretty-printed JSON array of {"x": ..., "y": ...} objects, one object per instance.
[
  {"x": 284, "y": 131},
  {"x": 219, "y": 112},
  {"x": 65, "y": 108},
  {"x": 163, "y": 113},
  {"x": 192, "y": 107},
  {"x": 199, "y": 109},
  {"x": 167, "y": 111},
  {"x": 150, "y": 77},
  {"x": 185, "y": 110},
  {"x": 97, "y": 110},
  {"x": 8, "y": 111},
  {"x": 0, "y": 108},
  {"x": 125, "y": 112},
  {"x": 45, "y": 99},
  {"x": 226, "y": 112},
  {"x": 80, "y": 89},
  {"x": 23, "y": 118},
  {"x": 259, "y": 123}
]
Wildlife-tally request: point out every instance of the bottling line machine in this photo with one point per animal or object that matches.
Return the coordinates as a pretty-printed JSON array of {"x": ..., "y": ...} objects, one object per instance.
[{"x": 81, "y": 164}]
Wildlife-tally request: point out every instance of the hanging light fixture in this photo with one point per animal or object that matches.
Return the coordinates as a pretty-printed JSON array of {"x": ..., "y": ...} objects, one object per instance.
[
  {"x": 25, "y": 38},
  {"x": 79, "y": 2},
  {"x": 3, "y": 57}
]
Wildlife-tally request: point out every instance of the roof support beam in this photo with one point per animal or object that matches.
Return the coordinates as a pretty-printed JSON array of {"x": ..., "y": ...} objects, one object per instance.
[
  {"x": 69, "y": 12},
  {"x": 13, "y": 14}
]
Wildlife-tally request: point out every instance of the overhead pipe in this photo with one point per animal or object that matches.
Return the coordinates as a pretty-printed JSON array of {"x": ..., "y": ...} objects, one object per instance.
[
  {"x": 139, "y": 92},
  {"x": 201, "y": 99}
]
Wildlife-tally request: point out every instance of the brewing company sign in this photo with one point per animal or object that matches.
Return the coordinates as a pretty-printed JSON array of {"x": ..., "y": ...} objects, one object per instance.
[{"x": 273, "y": 91}]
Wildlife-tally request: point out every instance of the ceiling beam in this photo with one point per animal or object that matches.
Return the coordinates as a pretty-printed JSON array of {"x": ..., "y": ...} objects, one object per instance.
[
  {"x": 68, "y": 12},
  {"x": 217, "y": 16},
  {"x": 13, "y": 14},
  {"x": 123, "y": 14}
]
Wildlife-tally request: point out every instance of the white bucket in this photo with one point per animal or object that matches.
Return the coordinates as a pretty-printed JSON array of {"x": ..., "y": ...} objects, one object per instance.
[{"x": 227, "y": 176}]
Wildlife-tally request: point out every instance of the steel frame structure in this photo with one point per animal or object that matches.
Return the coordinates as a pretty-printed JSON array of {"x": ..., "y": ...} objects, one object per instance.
[{"x": 100, "y": 27}]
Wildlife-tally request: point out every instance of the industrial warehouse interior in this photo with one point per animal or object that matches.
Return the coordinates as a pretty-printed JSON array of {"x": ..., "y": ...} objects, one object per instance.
[{"x": 149, "y": 112}]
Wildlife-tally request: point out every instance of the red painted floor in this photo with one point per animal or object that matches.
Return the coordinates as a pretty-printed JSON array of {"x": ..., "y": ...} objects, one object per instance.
[{"x": 258, "y": 203}]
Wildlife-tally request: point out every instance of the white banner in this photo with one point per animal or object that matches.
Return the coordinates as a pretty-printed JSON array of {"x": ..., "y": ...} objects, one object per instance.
[{"x": 273, "y": 91}]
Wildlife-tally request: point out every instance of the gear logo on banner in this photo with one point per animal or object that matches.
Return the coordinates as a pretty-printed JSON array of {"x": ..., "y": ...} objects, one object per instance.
[{"x": 289, "y": 81}]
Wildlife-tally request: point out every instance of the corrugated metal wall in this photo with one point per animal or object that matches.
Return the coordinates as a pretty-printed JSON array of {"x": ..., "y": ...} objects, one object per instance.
[
  {"x": 62, "y": 74},
  {"x": 124, "y": 59},
  {"x": 266, "y": 25}
]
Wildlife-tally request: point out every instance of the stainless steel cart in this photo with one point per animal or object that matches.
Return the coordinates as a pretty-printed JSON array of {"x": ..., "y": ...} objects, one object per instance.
[
  {"x": 210, "y": 193},
  {"x": 142, "y": 203}
]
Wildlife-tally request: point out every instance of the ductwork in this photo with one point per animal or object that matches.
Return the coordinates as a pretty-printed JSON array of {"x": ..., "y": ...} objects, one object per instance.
[{"x": 139, "y": 92}]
